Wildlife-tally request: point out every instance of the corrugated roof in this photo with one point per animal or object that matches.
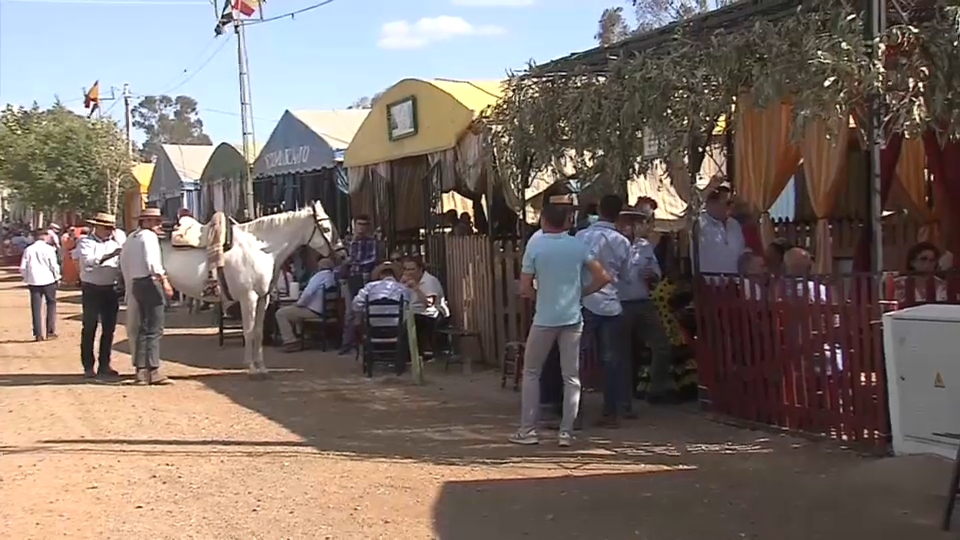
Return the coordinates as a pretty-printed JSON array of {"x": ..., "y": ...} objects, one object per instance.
[{"x": 337, "y": 127}]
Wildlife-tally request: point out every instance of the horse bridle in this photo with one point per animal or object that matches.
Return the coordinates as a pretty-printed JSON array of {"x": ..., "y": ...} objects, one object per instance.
[{"x": 321, "y": 228}]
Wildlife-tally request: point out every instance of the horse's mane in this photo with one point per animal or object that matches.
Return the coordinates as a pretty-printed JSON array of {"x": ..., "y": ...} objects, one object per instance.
[{"x": 273, "y": 221}]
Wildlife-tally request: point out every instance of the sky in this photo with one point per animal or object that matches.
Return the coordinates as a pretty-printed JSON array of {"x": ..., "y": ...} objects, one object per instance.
[{"x": 322, "y": 59}]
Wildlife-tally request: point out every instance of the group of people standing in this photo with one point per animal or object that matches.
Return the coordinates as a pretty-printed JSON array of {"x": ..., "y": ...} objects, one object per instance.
[
  {"x": 596, "y": 284},
  {"x": 101, "y": 280}
]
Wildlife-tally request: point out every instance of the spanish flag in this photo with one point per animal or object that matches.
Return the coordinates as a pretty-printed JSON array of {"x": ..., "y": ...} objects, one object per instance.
[
  {"x": 230, "y": 8},
  {"x": 91, "y": 100}
]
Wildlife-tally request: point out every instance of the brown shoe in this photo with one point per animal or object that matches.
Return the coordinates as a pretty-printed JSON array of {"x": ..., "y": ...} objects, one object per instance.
[
  {"x": 291, "y": 347},
  {"x": 155, "y": 378}
]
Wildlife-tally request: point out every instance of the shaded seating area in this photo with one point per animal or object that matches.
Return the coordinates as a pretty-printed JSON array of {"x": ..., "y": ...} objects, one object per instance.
[{"x": 383, "y": 331}]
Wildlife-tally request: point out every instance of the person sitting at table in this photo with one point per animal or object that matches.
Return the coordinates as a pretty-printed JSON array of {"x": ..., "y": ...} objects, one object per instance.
[
  {"x": 383, "y": 284},
  {"x": 308, "y": 306},
  {"x": 429, "y": 305}
]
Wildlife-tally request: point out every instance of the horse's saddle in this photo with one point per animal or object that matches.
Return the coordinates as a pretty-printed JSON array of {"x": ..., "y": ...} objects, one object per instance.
[{"x": 191, "y": 234}]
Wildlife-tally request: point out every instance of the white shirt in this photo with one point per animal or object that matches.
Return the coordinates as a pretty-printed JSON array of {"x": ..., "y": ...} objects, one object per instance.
[
  {"x": 430, "y": 286},
  {"x": 39, "y": 266},
  {"x": 312, "y": 296},
  {"x": 612, "y": 250},
  {"x": 141, "y": 255},
  {"x": 89, "y": 252},
  {"x": 721, "y": 245}
]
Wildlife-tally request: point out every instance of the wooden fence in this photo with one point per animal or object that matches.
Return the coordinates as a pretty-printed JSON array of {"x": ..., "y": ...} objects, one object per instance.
[
  {"x": 899, "y": 234},
  {"x": 805, "y": 355}
]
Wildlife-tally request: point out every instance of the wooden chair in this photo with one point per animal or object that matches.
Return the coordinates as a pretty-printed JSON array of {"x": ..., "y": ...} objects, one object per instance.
[
  {"x": 382, "y": 332},
  {"x": 228, "y": 325},
  {"x": 954, "y": 488},
  {"x": 324, "y": 324}
]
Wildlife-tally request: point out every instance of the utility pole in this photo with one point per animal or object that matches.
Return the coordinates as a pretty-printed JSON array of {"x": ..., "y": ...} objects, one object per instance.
[
  {"x": 246, "y": 116},
  {"x": 127, "y": 119},
  {"x": 876, "y": 25}
]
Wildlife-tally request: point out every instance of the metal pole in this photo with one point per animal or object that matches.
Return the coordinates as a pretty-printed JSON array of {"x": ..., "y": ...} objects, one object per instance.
[
  {"x": 877, "y": 11},
  {"x": 127, "y": 118},
  {"x": 246, "y": 116}
]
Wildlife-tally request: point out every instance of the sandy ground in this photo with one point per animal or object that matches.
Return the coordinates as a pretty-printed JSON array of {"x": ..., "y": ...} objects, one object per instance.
[{"x": 321, "y": 453}]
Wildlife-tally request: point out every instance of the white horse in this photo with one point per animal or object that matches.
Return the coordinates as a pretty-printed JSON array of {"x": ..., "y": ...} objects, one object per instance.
[{"x": 250, "y": 268}]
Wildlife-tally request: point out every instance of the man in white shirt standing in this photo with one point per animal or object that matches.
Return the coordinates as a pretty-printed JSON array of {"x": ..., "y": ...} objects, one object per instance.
[
  {"x": 429, "y": 305},
  {"x": 309, "y": 305},
  {"x": 602, "y": 312},
  {"x": 142, "y": 265},
  {"x": 97, "y": 254},
  {"x": 721, "y": 239},
  {"x": 41, "y": 272}
]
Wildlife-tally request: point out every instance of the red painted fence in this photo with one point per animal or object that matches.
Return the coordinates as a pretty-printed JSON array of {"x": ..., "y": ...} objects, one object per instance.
[{"x": 801, "y": 354}]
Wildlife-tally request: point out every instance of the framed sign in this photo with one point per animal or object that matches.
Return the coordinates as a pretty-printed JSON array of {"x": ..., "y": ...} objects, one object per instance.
[{"x": 402, "y": 118}]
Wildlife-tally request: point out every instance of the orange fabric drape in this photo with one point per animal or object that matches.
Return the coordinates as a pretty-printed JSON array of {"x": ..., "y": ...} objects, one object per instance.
[
  {"x": 824, "y": 151},
  {"x": 911, "y": 175},
  {"x": 765, "y": 158}
]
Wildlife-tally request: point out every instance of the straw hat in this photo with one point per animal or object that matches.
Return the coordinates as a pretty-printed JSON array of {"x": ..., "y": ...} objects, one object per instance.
[
  {"x": 150, "y": 213},
  {"x": 386, "y": 265},
  {"x": 103, "y": 219}
]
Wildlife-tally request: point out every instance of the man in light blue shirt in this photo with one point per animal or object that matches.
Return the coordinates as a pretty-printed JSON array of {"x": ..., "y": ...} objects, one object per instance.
[
  {"x": 641, "y": 318},
  {"x": 557, "y": 261},
  {"x": 602, "y": 310},
  {"x": 309, "y": 305}
]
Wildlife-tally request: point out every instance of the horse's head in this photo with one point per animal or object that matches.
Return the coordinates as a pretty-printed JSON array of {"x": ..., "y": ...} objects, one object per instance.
[{"x": 324, "y": 239}]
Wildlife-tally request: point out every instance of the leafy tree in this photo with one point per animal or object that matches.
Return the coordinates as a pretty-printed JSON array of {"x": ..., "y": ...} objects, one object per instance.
[
  {"x": 366, "y": 102},
  {"x": 656, "y": 13},
  {"x": 613, "y": 27},
  {"x": 167, "y": 120},
  {"x": 55, "y": 160}
]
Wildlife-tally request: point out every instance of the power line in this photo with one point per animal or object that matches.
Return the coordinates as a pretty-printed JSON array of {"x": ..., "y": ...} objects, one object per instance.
[
  {"x": 196, "y": 71},
  {"x": 112, "y": 2},
  {"x": 291, "y": 14},
  {"x": 202, "y": 54},
  {"x": 235, "y": 114}
]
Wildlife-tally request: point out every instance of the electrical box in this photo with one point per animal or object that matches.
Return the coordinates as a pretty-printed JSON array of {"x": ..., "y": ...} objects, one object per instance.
[{"x": 922, "y": 354}]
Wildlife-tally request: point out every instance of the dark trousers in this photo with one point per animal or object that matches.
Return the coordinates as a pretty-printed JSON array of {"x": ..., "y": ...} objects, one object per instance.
[
  {"x": 100, "y": 304},
  {"x": 605, "y": 331},
  {"x": 642, "y": 320},
  {"x": 427, "y": 332},
  {"x": 150, "y": 301},
  {"x": 40, "y": 294}
]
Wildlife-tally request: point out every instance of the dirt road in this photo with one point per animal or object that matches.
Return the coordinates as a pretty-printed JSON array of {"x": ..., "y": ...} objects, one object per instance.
[{"x": 321, "y": 453}]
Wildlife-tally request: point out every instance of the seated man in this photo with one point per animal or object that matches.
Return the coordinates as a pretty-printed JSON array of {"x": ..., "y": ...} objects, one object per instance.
[
  {"x": 383, "y": 284},
  {"x": 308, "y": 306},
  {"x": 429, "y": 305},
  {"x": 192, "y": 234}
]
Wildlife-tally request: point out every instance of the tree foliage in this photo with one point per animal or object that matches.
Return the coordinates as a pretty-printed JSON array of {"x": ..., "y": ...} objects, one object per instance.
[
  {"x": 612, "y": 27},
  {"x": 167, "y": 120},
  {"x": 656, "y": 13},
  {"x": 56, "y": 160},
  {"x": 366, "y": 102},
  {"x": 678, "y": 90}
]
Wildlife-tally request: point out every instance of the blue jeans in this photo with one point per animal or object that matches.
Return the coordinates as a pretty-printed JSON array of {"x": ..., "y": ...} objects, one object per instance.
[{"x": 604, "y": 330}]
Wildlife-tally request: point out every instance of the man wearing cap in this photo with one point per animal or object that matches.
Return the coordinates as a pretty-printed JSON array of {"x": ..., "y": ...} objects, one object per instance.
[
  {"x": 97, "y": 254},
  {"x": 641, "y": 318},
  {"x": 309, "y": 305},
  {"x": 142, "y": 265}
]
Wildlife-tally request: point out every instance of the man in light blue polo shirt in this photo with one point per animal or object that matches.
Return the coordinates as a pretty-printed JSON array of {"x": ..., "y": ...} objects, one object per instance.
[{"x": 557, "y": 261}]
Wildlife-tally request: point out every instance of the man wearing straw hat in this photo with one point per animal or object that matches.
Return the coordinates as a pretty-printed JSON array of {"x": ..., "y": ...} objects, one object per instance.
[
  {"x": 97, "y": 255},
  {"x": 142, "y": 265}
]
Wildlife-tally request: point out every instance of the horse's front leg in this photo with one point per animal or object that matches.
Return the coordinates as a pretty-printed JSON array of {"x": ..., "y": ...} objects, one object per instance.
[
  {"x": 261, "y": 312},
  {"x": 248, "y": 312}
]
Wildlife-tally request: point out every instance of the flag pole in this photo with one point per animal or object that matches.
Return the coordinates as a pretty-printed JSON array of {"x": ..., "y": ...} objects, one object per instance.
[{"x": 246, "y": 116}]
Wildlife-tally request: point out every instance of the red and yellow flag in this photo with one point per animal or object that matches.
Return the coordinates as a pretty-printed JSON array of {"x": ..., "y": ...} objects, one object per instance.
[
  {"x": 91, "y": 100},
  {"x": 246, "y": 7}
]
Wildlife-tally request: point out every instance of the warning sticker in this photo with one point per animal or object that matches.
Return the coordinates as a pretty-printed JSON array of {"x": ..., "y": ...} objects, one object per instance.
[{"x": 938, "y": 381}]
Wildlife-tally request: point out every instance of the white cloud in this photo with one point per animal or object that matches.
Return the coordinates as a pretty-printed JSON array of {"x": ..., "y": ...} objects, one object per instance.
[
  {"x": 493, "y": 3},
  {"x": 404, "y": 35}
]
